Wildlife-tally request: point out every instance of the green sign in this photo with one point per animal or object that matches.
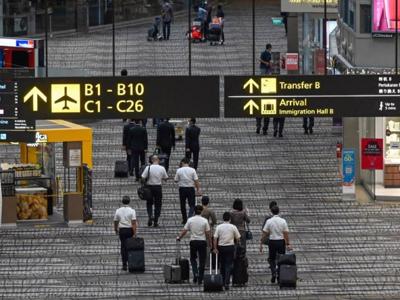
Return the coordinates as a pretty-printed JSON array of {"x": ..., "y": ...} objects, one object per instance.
[{"x": 277, "y": 21}]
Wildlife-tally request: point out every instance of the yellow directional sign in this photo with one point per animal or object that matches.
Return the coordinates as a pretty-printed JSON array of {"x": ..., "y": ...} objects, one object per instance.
[
  {"x": 268, "y": 85},
  {"x": 251, "y": 84},
  {"x": 268, "y": 106},
  {"x": 251, "y": 105},
  {"x": 35, "y": 94}
]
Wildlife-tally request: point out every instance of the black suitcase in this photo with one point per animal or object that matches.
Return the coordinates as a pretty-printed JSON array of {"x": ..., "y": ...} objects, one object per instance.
[
  {"x": 136, "y": 261},
  {"x": 213, "y": 282},
  {"x": 134, "y": 243},
  {"x": 287, "y": 276},
  {"x": 240, "y": 275},
  {"x": 179, "y": 270},
  {"x": 286, "y": 259},
  {"x": 121, "y": 168}
]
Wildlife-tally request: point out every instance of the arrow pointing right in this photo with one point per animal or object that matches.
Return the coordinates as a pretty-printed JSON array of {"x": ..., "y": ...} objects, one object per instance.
[
  {"x": 35, "y": 94},
  {"x": 251, "y": 105},
  {"x": 251, "y": 84}
]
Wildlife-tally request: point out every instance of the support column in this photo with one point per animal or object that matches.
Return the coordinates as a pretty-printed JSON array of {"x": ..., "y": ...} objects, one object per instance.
[
  {"x": 82, "y": 16},
  {"x": 292, "y": 37}
]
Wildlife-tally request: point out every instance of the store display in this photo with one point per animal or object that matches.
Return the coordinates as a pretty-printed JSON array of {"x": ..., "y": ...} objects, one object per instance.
[
  {"x": 31, "y": 203},
  {"x": 23, "y": 170},
  {"x": 7, "y": 183}
]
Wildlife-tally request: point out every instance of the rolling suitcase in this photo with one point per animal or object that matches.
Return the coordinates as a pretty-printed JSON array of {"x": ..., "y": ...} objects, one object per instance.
[
  {"x": 287, "y": 276},
  {"x": 184, "y": 264},
  {"x": 121, "y": 168},
  {"x": 213, "y": 282},
  {"x": 135, "y": 248},
  {"x": 240, "y": 275},
  {"x": 286, "y": 259},
  {"x": 173, "y": 272}
]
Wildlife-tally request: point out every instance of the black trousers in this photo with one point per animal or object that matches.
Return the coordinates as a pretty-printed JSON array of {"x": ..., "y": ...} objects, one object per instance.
[
  {"x": 308, "y": 125},
  {"x": 166, "y": 150},
  {"x": 134, "y": 164},
  {"x": 198, "y": 249},
  {"x": 266, "y": 124},
  {"x": 278, "y": 124},
  {"x": 226, "y": 255},
  {"x": 275, "y": 247},
  {"x": 156, "y": 200},
  {"x": 195, "y": 153},
  {"x": 189, "y": 194},
  {"x": 124, "y": 234},
  {"x": 166, "y": 26}
]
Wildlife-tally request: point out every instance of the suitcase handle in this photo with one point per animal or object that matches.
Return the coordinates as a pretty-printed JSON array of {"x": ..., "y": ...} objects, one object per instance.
[
  {"x": 216, "y": 263},
  {"x": 178, "y": 251}
]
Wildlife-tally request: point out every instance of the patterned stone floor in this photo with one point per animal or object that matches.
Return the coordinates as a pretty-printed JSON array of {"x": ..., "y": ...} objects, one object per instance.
[{"x": 345, "y": 250}]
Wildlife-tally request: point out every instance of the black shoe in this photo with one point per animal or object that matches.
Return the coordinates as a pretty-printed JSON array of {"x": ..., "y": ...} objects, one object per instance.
[
  {"x": 227, "y": 288},
  {"x": 130, "y": 173},
  {"x": 200, "y": 282},
  {"x": 275, "y": 133},
  {"x": 137, "y": 179},
  {"x": 264, "y": 132},
  {"x": 305, "y": 131},
  {"x": 311, "y": 131},
  {"x": 195, "y": 279},
  {"x": 155, "y": 224},
  {"x": 280, "y": 135},
  {"x": 150, "y": 222},
  {"x": 124, "y": 268},
  {"x": 258, "y": 131},
  {"x": 273, "y": 279}
]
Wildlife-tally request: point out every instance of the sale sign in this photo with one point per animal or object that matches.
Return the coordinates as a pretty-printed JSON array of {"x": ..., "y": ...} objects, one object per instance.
[
  {"x": 292, "y": 61},
  {"x": 372, "y": 154}
]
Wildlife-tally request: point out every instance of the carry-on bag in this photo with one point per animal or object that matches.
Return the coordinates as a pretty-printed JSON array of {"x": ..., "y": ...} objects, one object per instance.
[
  {"x": 288, "y": 258},
  {"x": 121, "y": 169},
  {"x": 173, "y": 272},
  {"x": 240, "y": 275},
  {"x": 287, "y": 276},
  {"x": 213, "y": 282},
  {"x": 135, "y": 249}
]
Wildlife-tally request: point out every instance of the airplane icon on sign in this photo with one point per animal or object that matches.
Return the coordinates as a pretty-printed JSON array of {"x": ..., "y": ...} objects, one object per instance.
[{"x": 65, "y": 98}]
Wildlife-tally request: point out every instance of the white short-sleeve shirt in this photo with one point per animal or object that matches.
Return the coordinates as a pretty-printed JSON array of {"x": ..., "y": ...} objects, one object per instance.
[
  {"x": 186, "y": 176},
  {"x": 276, "y": 226},
  {"x": 157, "y": 174},
  {"x": 125, "y": 215},
  {"x": 197, "y": 225},
  {"x": 226, "y": 233}
]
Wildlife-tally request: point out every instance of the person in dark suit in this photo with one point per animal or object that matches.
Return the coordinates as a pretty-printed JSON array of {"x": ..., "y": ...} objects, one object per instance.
[
  {"x": 125, "y": 144},
  {"x": 308, "y": 124},
  {"x": 137, "y": 145},
  {"x": 192, "y": 144},
  {"x": 166, "y": 139},
  {"x": 278, "y": 125}
]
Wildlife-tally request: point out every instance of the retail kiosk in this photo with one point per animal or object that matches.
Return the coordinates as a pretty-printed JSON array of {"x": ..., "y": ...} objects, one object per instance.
[{"x": 32, "y": 187}]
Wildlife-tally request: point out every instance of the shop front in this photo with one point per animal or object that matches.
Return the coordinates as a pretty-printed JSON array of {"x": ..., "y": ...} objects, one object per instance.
[{"x": 40, "y": 188}]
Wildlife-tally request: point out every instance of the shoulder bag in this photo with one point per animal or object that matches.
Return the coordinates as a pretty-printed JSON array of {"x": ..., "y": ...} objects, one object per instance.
[{"x": 144, "y": 191}]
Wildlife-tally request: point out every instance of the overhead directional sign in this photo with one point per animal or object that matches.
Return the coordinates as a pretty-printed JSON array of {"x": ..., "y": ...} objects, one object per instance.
[
  {"x": 302, "y": 96},
  {"x": 119, "y": 97}
]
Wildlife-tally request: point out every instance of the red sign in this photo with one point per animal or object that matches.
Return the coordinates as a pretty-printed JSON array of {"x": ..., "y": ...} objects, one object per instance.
[
  {"x": 372, "y": 154},
  {"x": 319, "y": 62},
  {"x": 292, "y": 61}
]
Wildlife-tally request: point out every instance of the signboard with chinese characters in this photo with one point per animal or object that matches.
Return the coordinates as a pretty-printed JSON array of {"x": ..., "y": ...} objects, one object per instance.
[
  {"x": 318, "y": 96},
  {"x": 309, "y": 6},
  {"x": 372, "y": 154},
  {"x": 349, "y": 171},
  {"x": 119, "y": 97}
]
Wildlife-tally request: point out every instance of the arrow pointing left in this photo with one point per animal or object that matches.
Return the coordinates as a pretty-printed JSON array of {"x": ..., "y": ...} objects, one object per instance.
[{"x": 35, "y": 94}]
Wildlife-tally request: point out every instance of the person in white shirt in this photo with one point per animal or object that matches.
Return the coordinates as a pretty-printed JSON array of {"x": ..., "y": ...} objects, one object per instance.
[
  {"x": 225, "y": 237},
  {"x": 200, "y": 236},
  {"x": 125, "y": 226},
  {"x": 187, "y": 180},
  {"x": 276, "y": 229},
  {"x": 154, "y": 174}
]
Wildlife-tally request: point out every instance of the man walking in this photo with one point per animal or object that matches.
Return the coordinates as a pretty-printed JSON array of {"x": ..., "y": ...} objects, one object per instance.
[
  {"x": 199, "y": 238},
  {"x": 187, "y": 180},
  {"x": 155, "y": 174},
  {"x": 125, "y": 226},
  {"x": 207, "y": 212},
  {"x": 192, "y": 134},
  {"x": 225, "y": 237},
  {"x": 166, "y": 139},
  {"x": 276, "y": 229},
  {"x": 265, "y": 69},
  {"x": 278, "y": 126},
  {"x": 167, "y": 16},
  {"x": 308, "y": 124},
  {"x": 137, "y": 146},
  {"x": 125, "y": 145}
]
